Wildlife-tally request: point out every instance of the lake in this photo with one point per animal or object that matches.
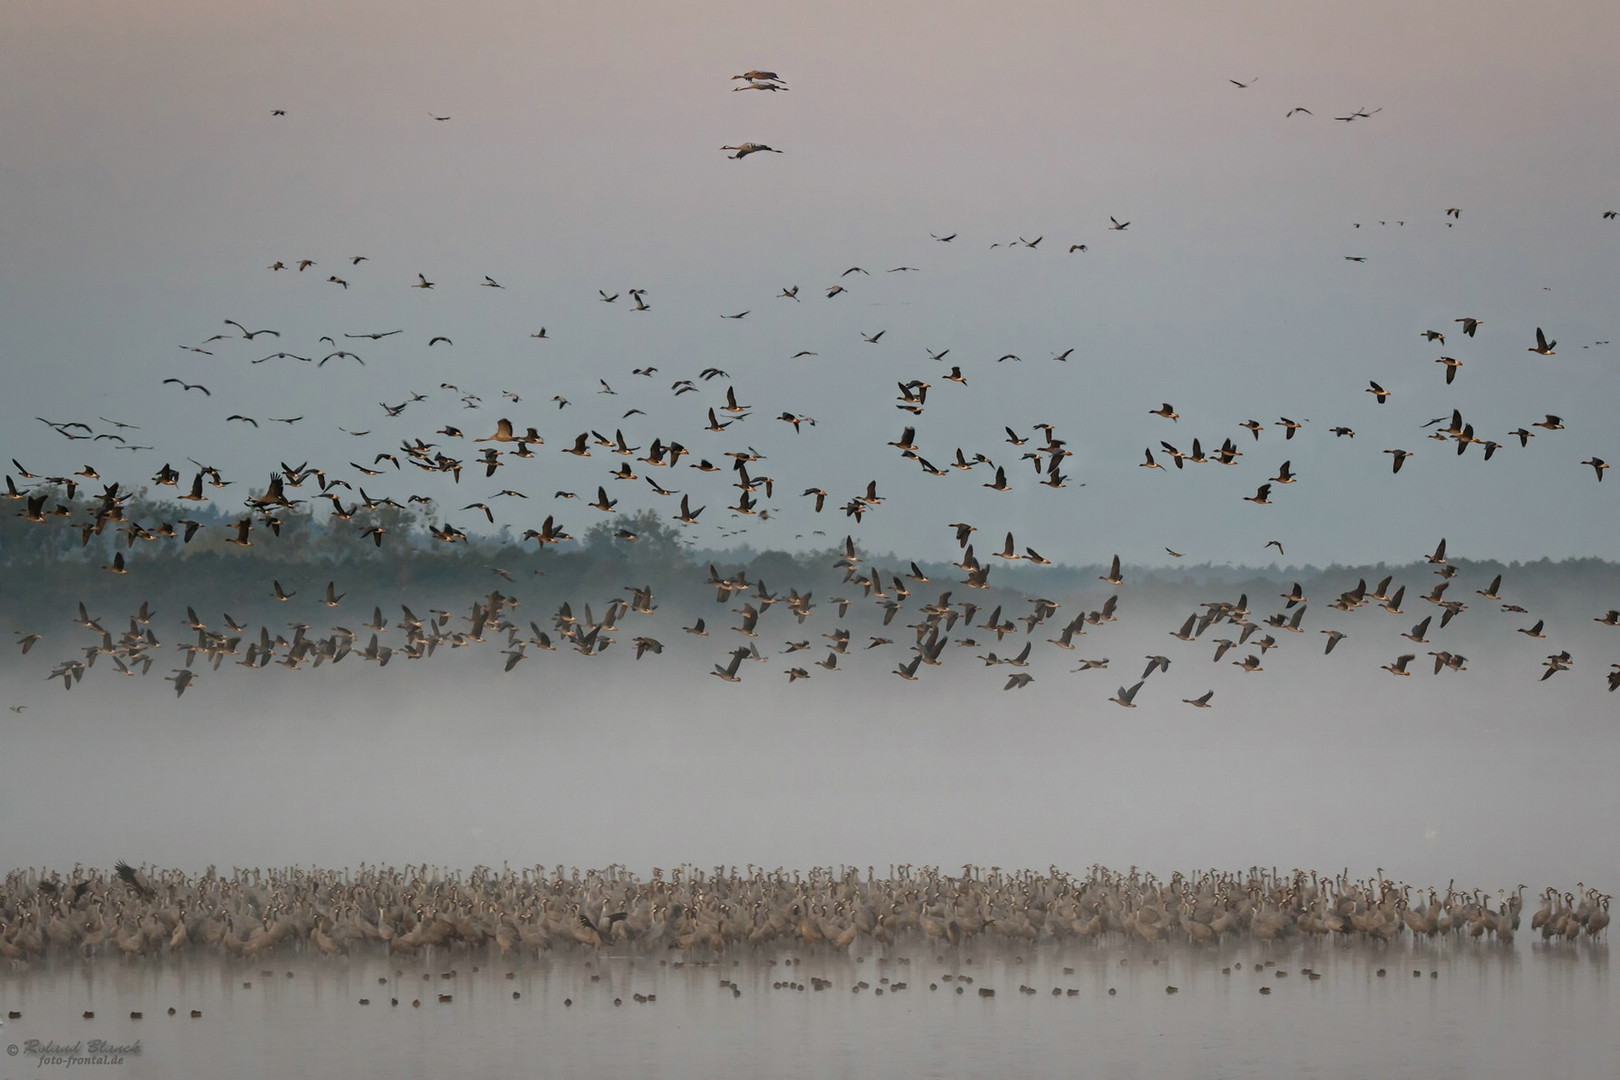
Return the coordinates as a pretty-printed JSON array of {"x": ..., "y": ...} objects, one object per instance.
[{"x": 1453, "y": 1009}]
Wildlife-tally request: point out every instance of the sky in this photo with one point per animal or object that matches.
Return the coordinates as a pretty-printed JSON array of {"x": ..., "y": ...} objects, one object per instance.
[{"x": 149, "y": 185}]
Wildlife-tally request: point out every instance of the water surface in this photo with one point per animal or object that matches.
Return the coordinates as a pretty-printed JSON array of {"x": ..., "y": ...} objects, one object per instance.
[{"x": 1458, "y": 1009}]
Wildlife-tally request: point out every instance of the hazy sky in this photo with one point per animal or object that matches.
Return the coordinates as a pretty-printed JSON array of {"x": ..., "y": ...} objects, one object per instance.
[{"x": 148, "y": 188}]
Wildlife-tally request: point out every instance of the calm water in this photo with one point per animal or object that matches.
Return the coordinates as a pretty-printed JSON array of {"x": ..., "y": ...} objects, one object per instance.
[{"x": 1470, "y": 1012}]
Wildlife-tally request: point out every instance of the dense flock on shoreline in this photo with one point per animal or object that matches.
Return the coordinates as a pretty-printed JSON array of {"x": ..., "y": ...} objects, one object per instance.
[{"x": 132, "y": 914}]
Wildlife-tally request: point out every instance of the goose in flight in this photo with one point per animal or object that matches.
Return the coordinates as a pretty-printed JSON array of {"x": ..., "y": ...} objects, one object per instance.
[
  {"x": 729, "y": 672},
  {"x": 503, "y": 433},
  {"x": 1113, "y": 577},
  {"x": 688, "y": 516},
  {"x": 744, "y": 149},
  {"x": 1598, "y": 465},
  {"x": 759, "y": 76},
  {"x": 1118, "y": 225},
  {"x": 1542, "y": 347},
  {"x": 421, "y": 280},
  {"x": 1399, "y": 666},
  {"x": 1400, "y": 458},
  {"x": 1469, "y": 324},
  {"x": 1125, "y": 696},
  {"x": 190, "y": 386},
  {"x": 1201, "y": 701},
  {"x": 1378, "y": 392}
]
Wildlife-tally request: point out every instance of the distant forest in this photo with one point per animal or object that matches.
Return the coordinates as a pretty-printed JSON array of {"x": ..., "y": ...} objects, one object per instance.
[{"x": 68, "y": 554}]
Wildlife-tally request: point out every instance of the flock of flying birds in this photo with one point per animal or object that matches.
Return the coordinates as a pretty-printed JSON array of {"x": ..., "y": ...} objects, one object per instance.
[{"x": 508, "y": 446}]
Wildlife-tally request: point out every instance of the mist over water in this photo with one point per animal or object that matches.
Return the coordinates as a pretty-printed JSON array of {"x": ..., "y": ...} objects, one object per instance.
[{"x": 1488, "y": 776}]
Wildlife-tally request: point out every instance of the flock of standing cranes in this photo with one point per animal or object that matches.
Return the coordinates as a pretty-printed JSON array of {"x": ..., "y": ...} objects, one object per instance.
[{"x": 418, "y": 911}]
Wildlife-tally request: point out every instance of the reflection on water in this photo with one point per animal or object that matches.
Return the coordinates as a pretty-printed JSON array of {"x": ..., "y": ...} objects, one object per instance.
[{"x": 1307, "y": 1010}]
